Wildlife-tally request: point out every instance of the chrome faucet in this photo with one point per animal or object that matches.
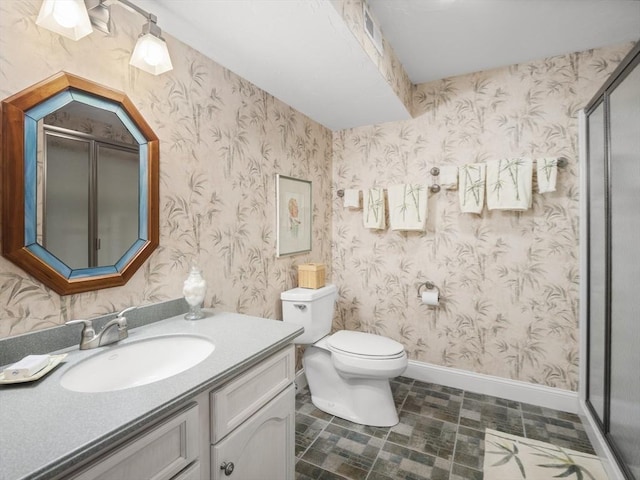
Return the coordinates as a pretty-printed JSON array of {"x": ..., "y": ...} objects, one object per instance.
[{"x": 114, "y": 331}]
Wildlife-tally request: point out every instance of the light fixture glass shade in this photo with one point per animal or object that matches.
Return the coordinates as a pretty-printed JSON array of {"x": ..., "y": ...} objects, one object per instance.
[
  {"x": 68, "y": 18},
  {"x": 151, "y": 55}
]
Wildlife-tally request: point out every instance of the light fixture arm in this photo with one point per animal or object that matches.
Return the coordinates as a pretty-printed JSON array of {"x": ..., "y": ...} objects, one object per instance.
[
  {"x": 150, "y": 16},
  {"x": 100, "y": 15},
  {"x": 152, "y": 23}
]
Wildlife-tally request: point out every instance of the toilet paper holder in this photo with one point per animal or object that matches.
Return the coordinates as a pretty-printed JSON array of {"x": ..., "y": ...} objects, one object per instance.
[{"x": 428, "y": 285}]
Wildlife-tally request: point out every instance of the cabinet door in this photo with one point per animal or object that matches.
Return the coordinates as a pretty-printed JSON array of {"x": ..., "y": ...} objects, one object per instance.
[
  {"x": 263, "y": 446},
  {"x": 624, "y": 418}
]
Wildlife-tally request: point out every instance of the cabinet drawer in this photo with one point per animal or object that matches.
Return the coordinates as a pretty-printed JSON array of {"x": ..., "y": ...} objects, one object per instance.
[
  {"x": 242, "y": 397},
  {"x": 158, "y": 454}
]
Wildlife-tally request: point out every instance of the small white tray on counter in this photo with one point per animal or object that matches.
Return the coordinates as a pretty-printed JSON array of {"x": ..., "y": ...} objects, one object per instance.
[{"x": 53, "y": 362}]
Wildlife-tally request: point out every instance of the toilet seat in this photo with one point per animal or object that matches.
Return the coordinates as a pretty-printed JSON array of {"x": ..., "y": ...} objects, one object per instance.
[
  {"x": 357, "y": 365},
  {"x": 364, "y": 345}
]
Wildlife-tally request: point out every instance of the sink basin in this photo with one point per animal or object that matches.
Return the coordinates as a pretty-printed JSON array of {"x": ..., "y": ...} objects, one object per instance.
[{"x": 137, "y": 363}]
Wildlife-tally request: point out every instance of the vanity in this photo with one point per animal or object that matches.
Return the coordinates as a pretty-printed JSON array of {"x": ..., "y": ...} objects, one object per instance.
[{"x": 232, "y": 415}]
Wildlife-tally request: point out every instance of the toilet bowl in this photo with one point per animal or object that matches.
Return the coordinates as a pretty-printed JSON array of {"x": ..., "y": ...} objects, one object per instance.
[{"x": 348, "y": 372}]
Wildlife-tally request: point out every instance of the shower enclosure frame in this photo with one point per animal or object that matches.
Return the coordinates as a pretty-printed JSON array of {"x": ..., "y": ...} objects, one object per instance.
[{"x": 596, "y": 415}]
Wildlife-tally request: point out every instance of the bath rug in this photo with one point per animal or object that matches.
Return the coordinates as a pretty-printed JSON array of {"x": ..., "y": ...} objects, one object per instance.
[{"x": 509, "y": 457}]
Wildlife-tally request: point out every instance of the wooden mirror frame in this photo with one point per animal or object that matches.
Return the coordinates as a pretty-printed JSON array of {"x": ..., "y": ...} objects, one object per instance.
[{"x": 32, "y": 257}]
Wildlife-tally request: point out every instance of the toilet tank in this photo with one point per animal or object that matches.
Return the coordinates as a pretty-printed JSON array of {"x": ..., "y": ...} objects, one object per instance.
[{"x": 310, "y": 308}]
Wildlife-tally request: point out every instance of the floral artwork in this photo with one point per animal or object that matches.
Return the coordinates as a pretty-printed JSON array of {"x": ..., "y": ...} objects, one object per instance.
[{"x": 293, "y": 215}]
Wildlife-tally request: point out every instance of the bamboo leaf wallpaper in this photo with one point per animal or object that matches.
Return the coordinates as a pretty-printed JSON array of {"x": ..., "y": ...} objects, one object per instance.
[
  {"x": 509, "y": 280},
  {"x": 222, "y": 141}
]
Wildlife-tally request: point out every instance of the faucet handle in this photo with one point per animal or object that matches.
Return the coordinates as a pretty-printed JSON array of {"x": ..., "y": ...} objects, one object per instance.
[
  {"x": 87, "y": 329},
  {"x": 126, "y": 310},
  {"x": 122, "y": 320}
]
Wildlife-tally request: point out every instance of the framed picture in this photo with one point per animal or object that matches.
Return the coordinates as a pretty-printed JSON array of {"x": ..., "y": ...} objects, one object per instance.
[{"x": 294, "y": 211}]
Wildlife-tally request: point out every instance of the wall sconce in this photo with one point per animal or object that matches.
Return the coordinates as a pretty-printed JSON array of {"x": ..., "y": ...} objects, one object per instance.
[
  {"x": 68, "y": 18},
  {"x": 150, "y": 53},
  {"x": 73, "y": 19}
]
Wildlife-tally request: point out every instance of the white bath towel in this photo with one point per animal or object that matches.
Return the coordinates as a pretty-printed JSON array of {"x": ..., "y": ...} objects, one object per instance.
[
  {"x": 471, "y": 187},
  {"x": 509, "y": 184},
  {"x": 373, "y": 212},
  {"x": 547, "y": 173},
  {"x": 352, "y": 198},
  {"x": 408, "y": 207},
  {"x": 448, "y": 178}
]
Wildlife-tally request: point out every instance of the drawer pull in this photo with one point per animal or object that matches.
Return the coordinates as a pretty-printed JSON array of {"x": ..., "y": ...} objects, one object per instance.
[{"x": 227, "y": 467}]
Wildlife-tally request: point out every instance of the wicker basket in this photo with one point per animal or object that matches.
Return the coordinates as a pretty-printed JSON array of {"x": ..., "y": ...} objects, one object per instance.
[{"x": 311, "y": 275}]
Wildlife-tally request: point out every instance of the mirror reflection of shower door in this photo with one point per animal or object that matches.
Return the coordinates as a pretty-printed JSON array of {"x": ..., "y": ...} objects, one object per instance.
[
  {"x": 91, "y": 199},
  {"x": 66, "y": 198},
  {"x": 117, "y": 182}
]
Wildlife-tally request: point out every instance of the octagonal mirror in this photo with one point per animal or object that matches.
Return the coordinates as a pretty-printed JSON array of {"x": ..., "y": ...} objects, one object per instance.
[{"x": 80, "y": 184}]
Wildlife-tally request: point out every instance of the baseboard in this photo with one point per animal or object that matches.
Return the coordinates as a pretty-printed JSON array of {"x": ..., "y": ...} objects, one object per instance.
[{"x": 543, "y": 396}]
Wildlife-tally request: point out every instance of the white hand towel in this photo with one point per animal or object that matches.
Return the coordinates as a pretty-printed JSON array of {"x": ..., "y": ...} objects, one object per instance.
[
  {"x": 471, "y": 192},
  {"x": 352, "y": 198},
  {"x": 509, "y": 184},
  {"x": 448, "y": 178},
  {"x": 373, "y": 211},
  {"x": 547, "y": 172},
  {"x": 408, "y": 207}
]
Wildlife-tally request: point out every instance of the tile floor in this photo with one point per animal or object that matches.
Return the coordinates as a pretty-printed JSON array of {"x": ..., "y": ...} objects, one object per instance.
[{"x": 440, "y": 435}]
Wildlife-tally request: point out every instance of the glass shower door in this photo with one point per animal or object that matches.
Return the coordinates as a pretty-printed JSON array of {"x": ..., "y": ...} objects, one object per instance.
[
  {"x": 624, "y": 412},
  {"x": 597, "y": 262}
]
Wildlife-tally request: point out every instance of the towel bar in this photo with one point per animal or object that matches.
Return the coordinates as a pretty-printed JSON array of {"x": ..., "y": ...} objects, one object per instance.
[{"x": 435, "y": 171}]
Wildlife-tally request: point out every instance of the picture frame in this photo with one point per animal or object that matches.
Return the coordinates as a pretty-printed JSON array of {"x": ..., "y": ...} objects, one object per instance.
[{"x": 294, "y": 212}]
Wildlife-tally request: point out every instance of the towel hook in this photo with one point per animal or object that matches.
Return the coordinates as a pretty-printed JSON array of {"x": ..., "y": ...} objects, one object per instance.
[
  {"x": 428, "y": 285},
  {"x": 435, "y": 171}
]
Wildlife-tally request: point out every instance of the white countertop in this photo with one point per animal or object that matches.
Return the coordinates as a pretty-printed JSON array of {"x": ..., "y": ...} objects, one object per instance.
[{"x": 46, "y": 429}]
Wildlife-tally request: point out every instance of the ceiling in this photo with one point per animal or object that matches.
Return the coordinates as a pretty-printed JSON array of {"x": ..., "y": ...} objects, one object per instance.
[{"x": 302, "y": 52}]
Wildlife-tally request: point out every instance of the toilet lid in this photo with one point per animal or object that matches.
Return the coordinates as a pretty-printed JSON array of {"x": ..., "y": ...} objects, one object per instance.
[{"x": 365, "y": 344}]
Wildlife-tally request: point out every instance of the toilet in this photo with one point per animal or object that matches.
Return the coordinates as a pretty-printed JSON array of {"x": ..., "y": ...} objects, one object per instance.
[{"x": 348, "y": 372}]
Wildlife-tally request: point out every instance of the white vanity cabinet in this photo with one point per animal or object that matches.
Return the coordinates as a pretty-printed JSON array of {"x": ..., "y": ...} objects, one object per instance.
[
  {"x": 253, "y": 423},
  {"x": 246, "y": 426},
  {"x": 161, "y": 453}
]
